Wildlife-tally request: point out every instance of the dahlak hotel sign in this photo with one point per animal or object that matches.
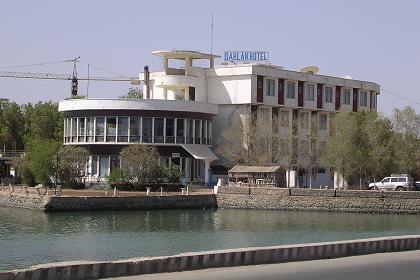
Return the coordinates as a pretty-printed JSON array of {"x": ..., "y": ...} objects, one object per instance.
[{"x": 246, "y": 56}]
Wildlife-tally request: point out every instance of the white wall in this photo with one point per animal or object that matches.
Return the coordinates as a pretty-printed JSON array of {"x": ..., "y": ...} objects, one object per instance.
[{"x": 229, "y": 89}]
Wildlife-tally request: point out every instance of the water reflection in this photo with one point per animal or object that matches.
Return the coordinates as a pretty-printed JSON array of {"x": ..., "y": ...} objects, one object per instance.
[{"x": 29, "y": 237}]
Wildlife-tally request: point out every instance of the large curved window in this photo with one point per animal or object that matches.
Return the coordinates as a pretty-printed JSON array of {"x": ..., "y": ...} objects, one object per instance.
[{"x": 137, "y": 129}]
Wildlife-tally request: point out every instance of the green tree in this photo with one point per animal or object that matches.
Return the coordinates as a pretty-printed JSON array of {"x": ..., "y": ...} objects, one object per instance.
[
  {"x": 133, "y": 92},
  {"x": 71, "y": 164},
  {"x": 137, "y": 161},
  {"x": 246, "y": 141},
  {"x": 41, "y": 154},
  {"x": 12, "y": 124},
  {"x": 406, "y": 124},
  {"x": 43, "y": 121}
]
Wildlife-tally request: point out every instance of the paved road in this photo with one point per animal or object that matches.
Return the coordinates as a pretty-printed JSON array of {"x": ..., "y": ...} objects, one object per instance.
[{"x": 389, "y": 266}]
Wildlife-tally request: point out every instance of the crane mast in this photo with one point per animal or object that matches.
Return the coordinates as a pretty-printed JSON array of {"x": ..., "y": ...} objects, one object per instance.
[{"x": 74, "y": 78}]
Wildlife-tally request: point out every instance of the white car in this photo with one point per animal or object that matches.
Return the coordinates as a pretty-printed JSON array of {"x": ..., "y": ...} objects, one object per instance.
[{"x": 401, "y": 182}]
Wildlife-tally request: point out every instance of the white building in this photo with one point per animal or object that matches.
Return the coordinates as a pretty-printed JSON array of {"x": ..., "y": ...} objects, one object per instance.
[{"x": 301, "y": 103}]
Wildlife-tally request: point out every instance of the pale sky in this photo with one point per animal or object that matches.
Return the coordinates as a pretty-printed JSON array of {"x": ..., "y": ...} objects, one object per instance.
[{"x": 376, "y": 41}]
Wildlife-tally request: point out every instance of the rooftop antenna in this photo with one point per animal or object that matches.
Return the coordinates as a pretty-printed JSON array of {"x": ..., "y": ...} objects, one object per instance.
[{"x": 211, "y": 43}]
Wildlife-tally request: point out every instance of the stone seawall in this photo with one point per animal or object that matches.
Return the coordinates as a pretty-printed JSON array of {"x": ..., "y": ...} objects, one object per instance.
[
  {"x": 21, "y": 201},
  {"x": 319, "y": 200},
  {"x": 61, "y": 203},
  {"x": 212, "y": 259},
  {"x": 233, "y": 197}
]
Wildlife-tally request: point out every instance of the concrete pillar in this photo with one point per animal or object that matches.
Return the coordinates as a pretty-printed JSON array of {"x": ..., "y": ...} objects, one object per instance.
[
  {"x": 291, "y": 175},
  {"x": 165, "y": 65},
  {"x": 206, "y": 172}
]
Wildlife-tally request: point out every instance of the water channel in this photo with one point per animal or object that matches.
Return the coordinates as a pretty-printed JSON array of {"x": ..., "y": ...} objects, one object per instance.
[{"x": 29, "y": 237}]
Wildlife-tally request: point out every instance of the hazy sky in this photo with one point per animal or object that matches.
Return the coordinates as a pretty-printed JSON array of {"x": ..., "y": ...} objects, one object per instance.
[{"x": 376, "y": 41}]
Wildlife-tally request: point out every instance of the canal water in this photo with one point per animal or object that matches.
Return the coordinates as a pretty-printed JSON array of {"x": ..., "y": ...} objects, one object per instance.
[{"x": 29, "y": 237}]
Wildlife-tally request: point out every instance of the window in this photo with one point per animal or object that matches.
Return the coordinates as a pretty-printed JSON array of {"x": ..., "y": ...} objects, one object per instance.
[
  {"x": 291, "y": 87},
  {"x": 394, "y": 180},
  {"x": 270, "y": 87},
  {"x": 208, "y": 132},
  {"x": 74, "y": 129},
  {"x": 346, "y": 96},
  {"x": 115, "y": 162},
  {"x": 373, "y": 101},
  {"x": 158, "y": 130},
  {"x": 122, "y": 129},
  {"x": 401, "y": 179},
  {"x": 197, "y": 132},
  {"x": 304, "y": 120},
  {"x": 147, "y": 130},
  {"x": 264, "y": 115},
  {"x": 100, "y": 129},
  {"x": 180, "y": 129},
  {"x": 322, "y": 122},
  {"x": 363, "y": 98},
  {"x": 111, "y": 129},
  {"x": 89, "y": 129},
  {"x": 81, "y": 130},
  {"x": 191, "y": 93},
  {"x": 284, "y": 118},
  {"x": 170, "y": 131},
  {"x": 203, "y": 132},
  {"x": 94, "y": 166},
  {"x": 190, "y": 131},
  {"x": 134, "y": 129},
  {"x": 103, "y": 166},
  {"x": 328, "y": 95},
  {"x": 386, "y": 180},
  {"x": 309, "y": 92}
]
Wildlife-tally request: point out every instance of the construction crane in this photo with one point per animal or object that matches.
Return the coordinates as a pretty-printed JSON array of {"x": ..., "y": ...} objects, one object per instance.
[{"x": 70, "y": 77}]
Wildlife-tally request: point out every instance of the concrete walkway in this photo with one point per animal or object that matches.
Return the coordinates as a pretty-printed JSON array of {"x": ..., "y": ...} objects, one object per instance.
[{"x": 386, "y": 266}]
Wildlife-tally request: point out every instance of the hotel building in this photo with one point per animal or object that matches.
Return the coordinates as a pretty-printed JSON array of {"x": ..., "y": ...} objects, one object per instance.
[{"x": 185, "y": 109}]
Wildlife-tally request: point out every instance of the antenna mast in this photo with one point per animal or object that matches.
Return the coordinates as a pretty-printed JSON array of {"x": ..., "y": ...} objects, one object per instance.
[{"x": 211, "y": 43}]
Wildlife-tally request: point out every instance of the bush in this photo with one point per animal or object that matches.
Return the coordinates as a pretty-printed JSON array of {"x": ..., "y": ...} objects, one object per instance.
[
  {"x": 27, "y": 177},
  {"x": 75, "y": 185},
  {"x": 115, "y": 177}
]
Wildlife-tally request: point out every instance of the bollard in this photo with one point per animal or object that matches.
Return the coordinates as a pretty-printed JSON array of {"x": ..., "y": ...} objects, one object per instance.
[
  {"x": 147, "y": 190},
  {"x": 161, "y": 191},
  {"x": 187, "y": 190}
]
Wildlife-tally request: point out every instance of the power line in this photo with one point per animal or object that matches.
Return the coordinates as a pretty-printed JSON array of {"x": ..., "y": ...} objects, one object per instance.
[
  {"x": 400, "y": 96},
  {"x": 104, "y": 70},
  {"x": 35, "y": 64}
]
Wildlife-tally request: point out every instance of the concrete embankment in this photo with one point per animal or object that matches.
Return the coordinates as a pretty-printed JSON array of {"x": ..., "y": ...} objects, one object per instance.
[
  {"x": 319, "y": 200},
  {"x": 213, "y": 259},
  {"x": 81, "y": 203},
  {"x": 232, "y": 197}
]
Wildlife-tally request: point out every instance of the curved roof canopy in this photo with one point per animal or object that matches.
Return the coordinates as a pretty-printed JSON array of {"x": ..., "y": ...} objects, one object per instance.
[{"x": 182, "y": 54}]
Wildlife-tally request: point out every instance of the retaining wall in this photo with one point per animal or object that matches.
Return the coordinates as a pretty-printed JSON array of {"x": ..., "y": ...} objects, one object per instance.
[
  {"x": 21, "y": 201},
  {"x": 319, "y": 200},
  {"x": 213, "y": 259},
  {"x": 233, "y": 197}
]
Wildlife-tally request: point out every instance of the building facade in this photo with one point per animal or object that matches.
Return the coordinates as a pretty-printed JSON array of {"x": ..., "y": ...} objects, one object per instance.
[{"x": 198, "y": 102}]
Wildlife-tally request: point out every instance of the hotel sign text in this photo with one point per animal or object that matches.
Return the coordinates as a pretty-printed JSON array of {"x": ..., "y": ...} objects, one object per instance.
[{"x": 246, "y": 56}]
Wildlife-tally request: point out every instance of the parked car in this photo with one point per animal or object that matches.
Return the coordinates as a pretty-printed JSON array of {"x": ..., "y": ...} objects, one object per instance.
[
  {"x": 417, "y": 185},
  {"x": 396, "y": 182}
]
